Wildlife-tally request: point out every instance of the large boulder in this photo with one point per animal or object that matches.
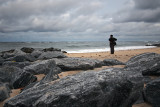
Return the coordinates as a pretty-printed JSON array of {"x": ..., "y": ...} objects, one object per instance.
[
  {"x": 86, "y": 89},
  {"x": 147, "y": 63},
  {"x": 41, "y": 67},
  {"x": 12, "y": 53},
  {"x": 112, "y": 62},
  {"x": 4, "y": 91},
  {"x": 152, "y": 92},
  {"x": 22, "y": 79},
  {"x": 16, "y": 64},
  {"x": 16, "y": 77},
  {"x": 22, "y": 58},
  {"x": 50, "y": 55},
  {"x": 27, "y": 49},
  {"x": 67, "y": 64},
  {"x": 36, "y": 53}
]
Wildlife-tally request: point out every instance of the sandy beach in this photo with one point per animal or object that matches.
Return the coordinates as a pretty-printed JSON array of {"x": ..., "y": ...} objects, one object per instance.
[{"x": 123, "y": 56}]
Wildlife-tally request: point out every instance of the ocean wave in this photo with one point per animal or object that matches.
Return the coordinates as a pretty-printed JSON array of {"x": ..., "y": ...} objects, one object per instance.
[{"x": 108, "y": 49}]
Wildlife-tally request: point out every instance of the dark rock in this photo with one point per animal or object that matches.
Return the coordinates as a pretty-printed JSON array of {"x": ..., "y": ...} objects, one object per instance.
[
  {"x": 152, "y": 92},
  {"x": 86, "y": 89},
  {"x": 4, "y": 91},
  {"x": 7, "y": 73},
  {"x": 16, "y": 77},
  {"x": 17, "y": 64},
  {"x": 50, "y": 55},
  {"x": 157, "y": 44},
  {"x": 111, "y": 62},
  {"x": 67, "y": 64},
  {"x": 41, "y": 67},
  {"x": 147, "y": 63},
  {"x": 51, "y": 49},
  {"x": 22, "y": 79},
  {"x": 22, "y": 58},
  {"x": 9, "y": 54},
  {"x": 36, "y": 53},
  {"x": 51, "y": 76},
  {"x": 27, "y": 49},
  {"x": 1, "y": 61},
  {"x": 64, "y": 51}
]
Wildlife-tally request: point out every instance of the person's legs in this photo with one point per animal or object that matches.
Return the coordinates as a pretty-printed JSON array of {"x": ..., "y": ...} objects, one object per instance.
[{"x": 112, "y": 49}]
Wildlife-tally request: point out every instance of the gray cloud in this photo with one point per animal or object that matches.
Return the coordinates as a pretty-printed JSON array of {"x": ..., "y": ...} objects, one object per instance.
[{"x": 140, "y": 11}]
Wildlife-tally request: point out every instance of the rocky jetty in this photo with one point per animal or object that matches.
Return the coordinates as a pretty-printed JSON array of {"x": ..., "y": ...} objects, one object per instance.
[{"x": 110, "y": 87}]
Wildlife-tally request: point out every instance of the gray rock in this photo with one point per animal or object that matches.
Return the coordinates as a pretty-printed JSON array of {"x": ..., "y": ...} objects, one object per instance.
[
  {"x": 1, "y": 61},
  {"x": 27, "y": 49},
  {"x": 41, "y": 67},
  {"x": 86, "y": 89},
  {"x": 36, "y": 53},
  {"x": 16, "y": 77},
  {"x": 67, "y": 64},
  {"x": 17, "y": 64},
  {"x": 22, "y": 58},
  {"x": 152, "y": 92},
  {"x": 51, "y": 49},
  {"x": 50, "y": 55},
  {"x": 111, "y": 62},
  {"x": 147, "y": 63},
  {"x": 7, "y": 73},
  {"x": 22, "y": 79},
  {"x": 4, "y": 91}
]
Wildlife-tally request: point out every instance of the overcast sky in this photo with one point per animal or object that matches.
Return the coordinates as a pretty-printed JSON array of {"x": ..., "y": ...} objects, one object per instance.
[{"x": 76, "y": 20}]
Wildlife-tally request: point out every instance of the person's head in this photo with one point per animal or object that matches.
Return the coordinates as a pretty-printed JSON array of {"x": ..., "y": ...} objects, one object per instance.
[{"x": 111, "y": 36}]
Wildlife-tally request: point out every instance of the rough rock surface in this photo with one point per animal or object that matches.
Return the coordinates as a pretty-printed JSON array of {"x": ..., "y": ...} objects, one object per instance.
[
  {"x": 152, "y": 92},
  {"x": 111, "y": 62},
  {"x": 147, "y": 63},
  {"x": 36, "y": 53},
  {"x": 4, "y": 91},
  {"x": 1, "y": 60},
  {"x": 77, "y": 63},
  {"x": 27, "y": 49},
  {"x": 22, "y": 58},
  {"x": 86, "y": 89},
  {"x": 16, "y": 77},
  {"x": 41, "y": 67},
  {"x": 22, "y": 79},
  {"x": 17, "y": 64},
  {"x": 50, "y": 55}
]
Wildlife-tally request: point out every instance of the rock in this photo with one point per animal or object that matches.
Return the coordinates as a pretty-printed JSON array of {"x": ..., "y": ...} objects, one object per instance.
[
  {"x": 51, "y": 49},
  {"x": 64, "y": 51},
  {"x": 7, "y": 73},
  {"x": 86, "y": 89},
  {"x": 111, "y": 62},
  {"x": 42, "y": 67},
  {"x": 51, "y": 76},
  {"x": 22, "y": 79},
  {"x": 16, "y": 64},
  {"x": 12, "y": 53},
  {"x": 156, "y": 44},
  {"x": 4, "y": 91},
  {"x": 16, "y": 77},
  {"x": 50, "y": 55},
  {"x": 152, "y": 92},
  {"x": 1, "y": 61},
  {"x": 22, "y": 58},
  {"x": 67, "y": 64},
  {"x": 27, "y": 49},
  {"x": 147, "y": 63},
  {"x": 36, "y": 53}
]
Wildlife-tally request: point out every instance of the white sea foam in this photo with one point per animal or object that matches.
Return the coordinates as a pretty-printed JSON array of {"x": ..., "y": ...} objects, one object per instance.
[{"x": 108, "y": 49}]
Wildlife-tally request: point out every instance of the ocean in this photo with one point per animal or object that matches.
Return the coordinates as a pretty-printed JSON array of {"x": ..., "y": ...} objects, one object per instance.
[{"x": 77, "y": 47}]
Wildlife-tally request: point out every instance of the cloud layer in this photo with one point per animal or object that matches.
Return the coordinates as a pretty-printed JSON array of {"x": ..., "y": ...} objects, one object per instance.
[{"x": 78, "y": 19}]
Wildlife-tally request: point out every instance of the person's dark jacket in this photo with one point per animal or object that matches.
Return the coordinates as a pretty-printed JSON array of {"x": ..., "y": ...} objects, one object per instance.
[{"x": 112, "y": 41}]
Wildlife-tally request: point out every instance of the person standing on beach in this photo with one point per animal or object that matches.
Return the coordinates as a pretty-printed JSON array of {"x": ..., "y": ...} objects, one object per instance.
[{"x": 112, "y": 41}]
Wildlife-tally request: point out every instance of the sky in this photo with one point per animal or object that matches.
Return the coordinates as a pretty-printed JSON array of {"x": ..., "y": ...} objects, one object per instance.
[{"x": 79, "y": 20}]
